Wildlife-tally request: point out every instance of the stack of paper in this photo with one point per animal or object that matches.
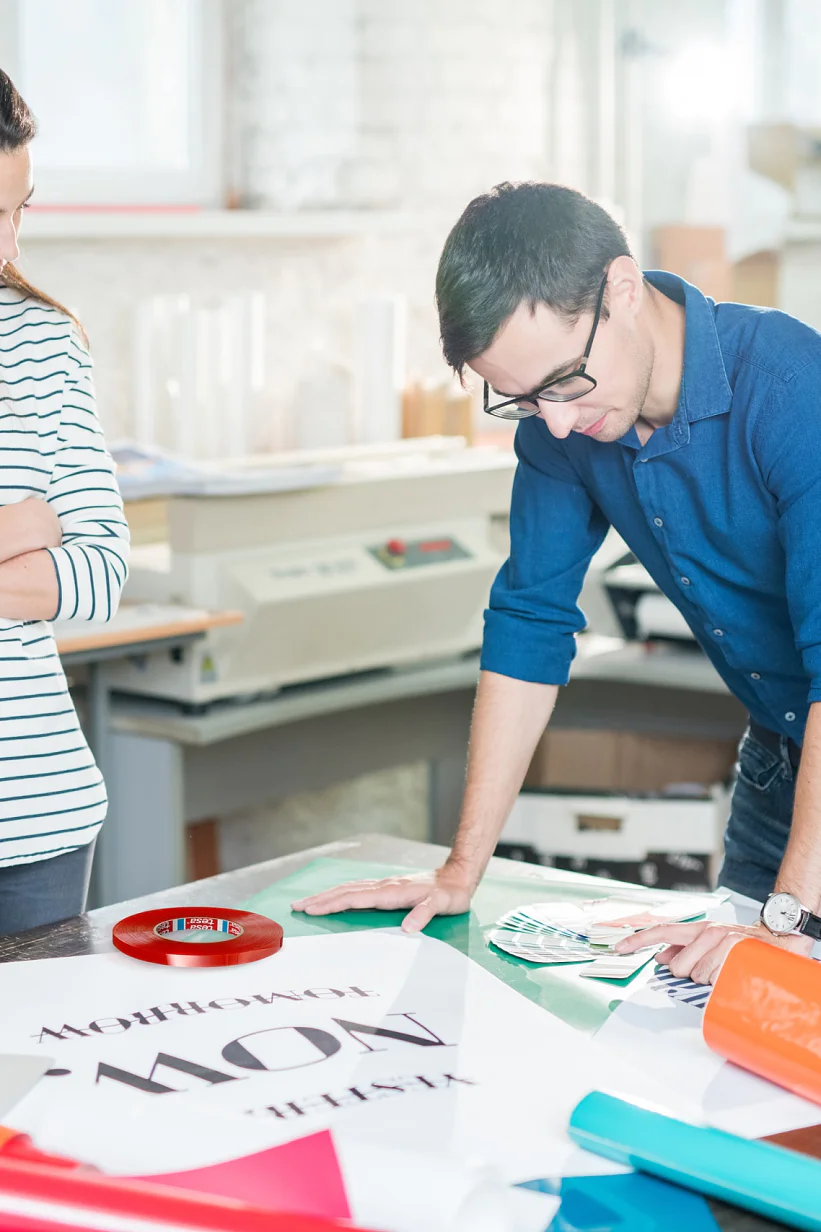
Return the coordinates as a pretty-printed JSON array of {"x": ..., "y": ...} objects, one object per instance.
[{"x": 588, "y": 932}]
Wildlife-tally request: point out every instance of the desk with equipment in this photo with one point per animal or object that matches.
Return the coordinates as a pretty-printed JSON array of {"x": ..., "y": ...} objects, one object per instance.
[
  {"x": 269, "y": 888},
  {"x": 361, "y": 577}
]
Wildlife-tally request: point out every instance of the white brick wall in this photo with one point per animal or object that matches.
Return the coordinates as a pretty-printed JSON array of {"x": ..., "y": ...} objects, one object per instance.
[{"x": 409, "y": 104}]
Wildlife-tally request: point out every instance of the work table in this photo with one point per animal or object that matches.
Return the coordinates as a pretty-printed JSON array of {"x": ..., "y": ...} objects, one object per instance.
[{"x": 91, "y": 933}]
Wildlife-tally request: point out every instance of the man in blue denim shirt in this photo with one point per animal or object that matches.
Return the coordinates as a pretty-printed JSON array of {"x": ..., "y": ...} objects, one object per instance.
[{"x": 692, "y": 428}]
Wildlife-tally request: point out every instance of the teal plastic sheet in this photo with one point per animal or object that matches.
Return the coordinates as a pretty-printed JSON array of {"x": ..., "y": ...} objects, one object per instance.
[{"x": 582, "y": 1003}]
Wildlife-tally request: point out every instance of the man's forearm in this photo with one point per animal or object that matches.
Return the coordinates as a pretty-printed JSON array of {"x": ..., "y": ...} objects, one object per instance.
[
  {"x": 800, "y": 872},
  {"x": 508, "y": 718},
  {"x": 28, "y": 587}
]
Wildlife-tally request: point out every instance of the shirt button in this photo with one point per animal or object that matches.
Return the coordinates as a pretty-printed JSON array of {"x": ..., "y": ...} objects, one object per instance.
[
  {"x": 658, "y": 521},
  {"x": 789, "y": 716},
  {"x": 718, "y": 632},
  {"x": 755, "y": 675},
  {"x": 685, "y": 581}
]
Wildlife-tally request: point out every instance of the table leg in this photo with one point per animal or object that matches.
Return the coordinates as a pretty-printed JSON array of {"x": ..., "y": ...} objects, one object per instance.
[
  {"x": 98, "y": 719},
  {"x": 447, "y": 785},
  {"x": 144, "y": 847}
]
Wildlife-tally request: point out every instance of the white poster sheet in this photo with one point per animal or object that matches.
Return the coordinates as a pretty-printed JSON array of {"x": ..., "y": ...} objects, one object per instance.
[{"x": 395, "y": 1039}]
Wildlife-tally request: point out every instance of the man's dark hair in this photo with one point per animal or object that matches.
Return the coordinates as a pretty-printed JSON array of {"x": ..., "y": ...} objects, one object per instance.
[{"x": 521, "y": 243}]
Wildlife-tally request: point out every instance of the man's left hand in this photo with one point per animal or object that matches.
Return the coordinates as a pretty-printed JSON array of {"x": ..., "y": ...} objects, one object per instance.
[{"x": 697, "y": 951}]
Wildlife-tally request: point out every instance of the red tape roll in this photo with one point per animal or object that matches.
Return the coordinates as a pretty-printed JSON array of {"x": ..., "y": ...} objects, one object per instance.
[{"x": 238, "y": 936}]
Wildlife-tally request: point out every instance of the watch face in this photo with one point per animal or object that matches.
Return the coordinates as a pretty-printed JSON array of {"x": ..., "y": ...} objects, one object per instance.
[{"x": 782, "y": 913}]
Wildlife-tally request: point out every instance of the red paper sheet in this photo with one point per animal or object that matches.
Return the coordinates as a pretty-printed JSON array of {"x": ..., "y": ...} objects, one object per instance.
[{"x": 301, "y": 1176}]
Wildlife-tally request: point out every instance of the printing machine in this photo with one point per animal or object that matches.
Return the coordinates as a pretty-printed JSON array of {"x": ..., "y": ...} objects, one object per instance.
[
  {"x": 620, "y": 599},
  {"x": 385, "y": 560}
]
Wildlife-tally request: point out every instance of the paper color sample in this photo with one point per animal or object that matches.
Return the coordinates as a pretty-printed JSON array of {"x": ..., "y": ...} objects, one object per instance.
[
  {"x": 637, "y": 1202},
  {"x": 681, "y": 989},
  {"x": 399, "y": 1039},
  {"x": 613, "y": 966},
  {"x": 302, "y": 1176},
  {"x": 60, "y": 1198},
  {"x": 603, "y": 921},
  {"x": 765, "y": 1015}
]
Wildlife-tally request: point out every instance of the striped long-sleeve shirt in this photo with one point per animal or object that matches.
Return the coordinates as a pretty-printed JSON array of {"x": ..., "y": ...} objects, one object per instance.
[{"x": 52, "y": 796}]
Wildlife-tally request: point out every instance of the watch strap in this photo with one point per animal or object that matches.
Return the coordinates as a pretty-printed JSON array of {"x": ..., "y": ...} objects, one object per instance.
[{"x": 810, "y": 926}]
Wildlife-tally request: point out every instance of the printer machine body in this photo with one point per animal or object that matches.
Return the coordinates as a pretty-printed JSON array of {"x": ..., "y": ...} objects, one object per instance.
[
  {"x": 620, "y": 598},
  {"x": 388, "y": 563}
]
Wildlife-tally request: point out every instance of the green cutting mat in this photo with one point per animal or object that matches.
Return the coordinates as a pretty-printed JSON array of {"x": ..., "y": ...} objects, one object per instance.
[{"x": 582, "y": 1003}]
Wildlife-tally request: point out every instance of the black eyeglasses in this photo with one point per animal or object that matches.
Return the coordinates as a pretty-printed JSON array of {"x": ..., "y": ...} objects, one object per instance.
[{"x": 564, "y": 389}]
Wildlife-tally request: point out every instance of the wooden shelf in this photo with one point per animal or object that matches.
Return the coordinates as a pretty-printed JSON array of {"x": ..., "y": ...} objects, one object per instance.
[{"x": 204, "y": 224}]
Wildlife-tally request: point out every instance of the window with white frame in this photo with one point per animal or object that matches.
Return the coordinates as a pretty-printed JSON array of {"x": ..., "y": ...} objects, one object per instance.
[{"x": 127, "y": 95}]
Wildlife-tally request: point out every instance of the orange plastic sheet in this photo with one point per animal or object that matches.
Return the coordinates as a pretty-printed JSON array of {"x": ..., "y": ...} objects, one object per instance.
[{"x": 765, "y": 1015}]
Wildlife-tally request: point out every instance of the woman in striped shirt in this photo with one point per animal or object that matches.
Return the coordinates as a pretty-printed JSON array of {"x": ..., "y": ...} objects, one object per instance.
[{"x": 63, "y": 551}]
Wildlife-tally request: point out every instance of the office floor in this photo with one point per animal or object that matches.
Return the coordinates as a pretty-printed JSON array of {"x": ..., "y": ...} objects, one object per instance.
[{"x": 391, "y": 802}]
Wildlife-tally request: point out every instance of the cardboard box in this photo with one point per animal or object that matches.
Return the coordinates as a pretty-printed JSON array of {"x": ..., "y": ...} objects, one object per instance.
[
  {"x": 580, "y": 759},
  {"x": 781, "y": 151},
  {"x": 698, "y": 254},
  {"x": 789, "y": 154},
  {"x": 147, "y": 520},
  {"x": 755, "y": 279},
  {"x": 437, "y": 410}
]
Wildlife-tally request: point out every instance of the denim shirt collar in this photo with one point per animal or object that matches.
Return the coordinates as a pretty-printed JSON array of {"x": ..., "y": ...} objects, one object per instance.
[{"x": 705, "y": 390}]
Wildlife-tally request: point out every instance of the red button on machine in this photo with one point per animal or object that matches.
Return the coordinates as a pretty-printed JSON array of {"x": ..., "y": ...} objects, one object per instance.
[{"x": 396, "y": 547}]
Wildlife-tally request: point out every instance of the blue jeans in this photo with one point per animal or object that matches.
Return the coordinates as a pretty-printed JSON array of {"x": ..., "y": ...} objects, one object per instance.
[
  {"x": 44, "y": 892},
  {"x": 760, "y": 819}
]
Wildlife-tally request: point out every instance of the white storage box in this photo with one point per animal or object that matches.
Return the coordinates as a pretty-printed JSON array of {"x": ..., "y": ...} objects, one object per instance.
[{"x": 618, "y": 834}]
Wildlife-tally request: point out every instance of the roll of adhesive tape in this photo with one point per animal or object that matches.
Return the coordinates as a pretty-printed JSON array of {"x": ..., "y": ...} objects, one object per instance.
[
  {"x": 230, "y": 937},
  {"x": 765, "y": 1015}
]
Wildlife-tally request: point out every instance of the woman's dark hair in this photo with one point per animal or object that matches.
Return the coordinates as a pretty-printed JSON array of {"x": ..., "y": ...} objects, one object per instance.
[
  {"x": 17, "y": 129},
  {"x": 525, "y": 243}
]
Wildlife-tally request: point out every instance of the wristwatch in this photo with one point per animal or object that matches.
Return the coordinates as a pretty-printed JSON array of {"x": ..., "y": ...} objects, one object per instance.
[{"x": 782, "y": 914}]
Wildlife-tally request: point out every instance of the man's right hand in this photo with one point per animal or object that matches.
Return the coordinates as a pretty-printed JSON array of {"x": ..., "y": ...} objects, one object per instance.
[
  {"x": 28, "y": 526},
  {"x": 508, "y": 718},
  {"x": 443, "y": 892}
]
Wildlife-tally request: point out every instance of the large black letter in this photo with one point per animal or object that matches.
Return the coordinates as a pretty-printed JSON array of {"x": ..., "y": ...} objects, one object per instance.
[
  {"x": 151, "y": 1087},
  {"x": 355, "y": 1029},
  {"x": 301, "y": 1046},
  {"x": 61, "y": 1034}
]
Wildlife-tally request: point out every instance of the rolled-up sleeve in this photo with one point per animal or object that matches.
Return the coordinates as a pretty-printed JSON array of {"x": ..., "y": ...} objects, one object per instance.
[
  {"x": 92, "y": 562},
  {"x": 787, "y": 441},
  {"x": 555, "y": 528}
]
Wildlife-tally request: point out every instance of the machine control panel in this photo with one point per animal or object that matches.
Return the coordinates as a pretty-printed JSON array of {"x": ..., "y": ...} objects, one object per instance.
[{"x": 407, "y": 554}]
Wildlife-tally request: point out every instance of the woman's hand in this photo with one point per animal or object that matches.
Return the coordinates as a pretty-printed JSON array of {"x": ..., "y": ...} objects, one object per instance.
[
  {"x": 443, "y": 892},
  {"x": 28, "y": 526}
]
